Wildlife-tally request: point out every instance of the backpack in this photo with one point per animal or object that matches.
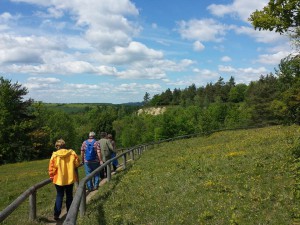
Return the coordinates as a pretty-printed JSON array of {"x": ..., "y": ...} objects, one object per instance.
[{"x": 90, "y": 153}]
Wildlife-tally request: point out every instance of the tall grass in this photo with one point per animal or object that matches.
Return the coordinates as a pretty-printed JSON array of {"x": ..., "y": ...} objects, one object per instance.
[{"x": 232, "y": 177}]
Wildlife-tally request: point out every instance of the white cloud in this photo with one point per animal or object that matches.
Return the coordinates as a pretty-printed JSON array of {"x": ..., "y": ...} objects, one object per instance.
[
  {"x": 136, "y": 52},
  {"x": 226, "y": 59},
  {"x": 20, "y": 55},
  {"x": 240, "y": 8},
  {"x": 198, "y": 46},
  {"x": 146, "y": 73},
  {"x": 26, "y": 50},
  {"x": 202, "y": 30},
  {"x": 64, "y": 68},
  {"x": 104, "y": 20},
  {"x": 227, "y": 69},
  {"x": 262, "y": 36},
  {"x": 38, "y": 83},
  {"x": 273, "y": 59},
  {"x": 243, "y": 75},
  {"x": 5, "y": 17},
  {"x": 52, "y": 12}
]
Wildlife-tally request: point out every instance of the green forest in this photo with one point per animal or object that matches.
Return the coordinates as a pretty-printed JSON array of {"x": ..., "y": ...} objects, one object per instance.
[{"x": 29, "y": 129}]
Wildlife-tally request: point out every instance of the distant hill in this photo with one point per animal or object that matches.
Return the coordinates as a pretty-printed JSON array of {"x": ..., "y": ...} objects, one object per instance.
[
  {"x": 84, "y": 107},
  {"x": 133, "y": 103}
]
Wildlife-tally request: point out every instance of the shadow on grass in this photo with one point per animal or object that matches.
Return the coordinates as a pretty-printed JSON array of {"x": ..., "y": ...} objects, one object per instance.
[{"x": 96, "y": 204}]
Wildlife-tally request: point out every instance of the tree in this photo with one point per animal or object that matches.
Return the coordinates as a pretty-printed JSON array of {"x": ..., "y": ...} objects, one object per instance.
[
  {"x": 146, "y": 98},
  {"x": 166, "y": 97},
  {"x": 278, "y": 15},
  {"x": 259, "y": 97},
  {"x": 237, "y": 93},
  {"x": 287, "y": 107},
  {"x": 15, "y": 122},
  {"x": 283, "y": 16},
  {"x": 176, "y": 96}
]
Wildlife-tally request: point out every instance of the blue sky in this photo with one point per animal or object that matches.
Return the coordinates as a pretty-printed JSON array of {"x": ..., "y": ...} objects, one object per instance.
[{"x": 114, "y": 51}]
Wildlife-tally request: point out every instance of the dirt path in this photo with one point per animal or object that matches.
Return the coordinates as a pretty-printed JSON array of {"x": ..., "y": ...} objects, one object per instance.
[{"x": 63, "y": 214}]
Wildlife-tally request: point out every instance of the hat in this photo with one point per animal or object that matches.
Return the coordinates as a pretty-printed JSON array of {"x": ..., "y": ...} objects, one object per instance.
[
  {"x": 92, "y": 134},
  {"x": 60, "y": 144},
  {"x": 103, "y": 134}
]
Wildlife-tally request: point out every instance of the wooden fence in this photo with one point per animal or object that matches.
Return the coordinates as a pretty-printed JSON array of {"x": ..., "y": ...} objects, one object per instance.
[{"x": 79, "y": 198}]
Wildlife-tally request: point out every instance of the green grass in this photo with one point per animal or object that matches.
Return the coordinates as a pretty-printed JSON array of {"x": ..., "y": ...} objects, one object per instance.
[
  {"x": 232, "y": 177},
  {"x": 15, "y": 179}
]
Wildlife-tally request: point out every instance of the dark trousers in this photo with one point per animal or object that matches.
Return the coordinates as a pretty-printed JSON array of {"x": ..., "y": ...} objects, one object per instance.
[{"x": 60, "y": 190}]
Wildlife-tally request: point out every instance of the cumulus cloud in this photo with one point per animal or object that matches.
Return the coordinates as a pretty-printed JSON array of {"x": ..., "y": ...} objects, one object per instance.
[
  {"x": 202, "y": 30},
  {"x": 135, "y": 51},
  {"x": 239, "y": 8},
  {"x": 25, "y": 50},
  {"x": 243, "y": 75},
  {"x": 272, "y": 59},
  {"x": 38, "y": 83},
  {"x": 105, "y": 21},
  {"x": 262, "y": 36},
  {"x": 64, "y": 68}
]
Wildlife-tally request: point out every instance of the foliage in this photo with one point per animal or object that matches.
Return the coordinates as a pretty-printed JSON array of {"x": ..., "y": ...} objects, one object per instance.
[
  {"x": 278, "y": 15},
  {"x": 15, "y": 122},
  {"x": 260, "y": 95}
]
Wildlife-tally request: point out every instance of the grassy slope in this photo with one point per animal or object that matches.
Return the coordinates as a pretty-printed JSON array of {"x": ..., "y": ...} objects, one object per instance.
[
  {"x": 15, "y": 179},
  {"x": 233, "y": 177}
]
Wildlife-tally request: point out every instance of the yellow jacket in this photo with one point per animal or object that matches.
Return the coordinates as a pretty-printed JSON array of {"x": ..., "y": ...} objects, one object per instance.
[{"x": 62, "y": 167}]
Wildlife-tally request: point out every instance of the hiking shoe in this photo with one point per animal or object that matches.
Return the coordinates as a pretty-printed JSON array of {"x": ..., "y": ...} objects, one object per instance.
[{"x": 56, "y": 218}]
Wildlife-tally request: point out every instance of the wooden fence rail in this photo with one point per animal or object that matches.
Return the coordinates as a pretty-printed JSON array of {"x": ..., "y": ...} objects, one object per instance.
[
  {"x": 80, "y": 193},
  {"x": 31, "y": 193}
]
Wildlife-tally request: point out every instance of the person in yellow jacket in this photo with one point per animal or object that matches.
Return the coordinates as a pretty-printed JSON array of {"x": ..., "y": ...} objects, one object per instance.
[{"x": 62, "y": 172}]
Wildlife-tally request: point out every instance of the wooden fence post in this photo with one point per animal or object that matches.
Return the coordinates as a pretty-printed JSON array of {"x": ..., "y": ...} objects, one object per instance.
[
  {"x": 108, "y": 172},
  {"x": 132, "y": 155},
  {"x": 32, "y": 206},
  {"x": 124, "y": 161},
  {"x": 82, "y": 207}
]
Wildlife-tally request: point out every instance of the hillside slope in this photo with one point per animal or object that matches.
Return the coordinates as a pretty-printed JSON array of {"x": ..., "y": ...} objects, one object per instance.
[{"x": 232, "y": 177}]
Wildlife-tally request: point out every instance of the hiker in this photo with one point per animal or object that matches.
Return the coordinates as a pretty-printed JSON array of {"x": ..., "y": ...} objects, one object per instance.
[
  {"x": 62, "y": 166},
  {"x": 91, "y": 156},
  {"x": 113, "y": 153},
  {"x": 106, "y": 149}
]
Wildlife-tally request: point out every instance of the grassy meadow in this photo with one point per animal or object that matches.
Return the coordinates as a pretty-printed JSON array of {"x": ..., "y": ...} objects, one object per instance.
[
  {"x": 15, "y": 179},
  {"x": 229, "y": 177}
]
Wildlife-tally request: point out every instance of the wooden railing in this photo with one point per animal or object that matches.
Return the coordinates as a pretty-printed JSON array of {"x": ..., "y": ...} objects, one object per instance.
[
  {"x": 80, "y": 193},
  {"x": 31, "y": 193},
  {"x": 79, "y": 200}
]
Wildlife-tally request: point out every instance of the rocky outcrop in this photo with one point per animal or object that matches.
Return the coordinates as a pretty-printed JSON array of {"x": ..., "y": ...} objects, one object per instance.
[{"x": 152, "y": 111}]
